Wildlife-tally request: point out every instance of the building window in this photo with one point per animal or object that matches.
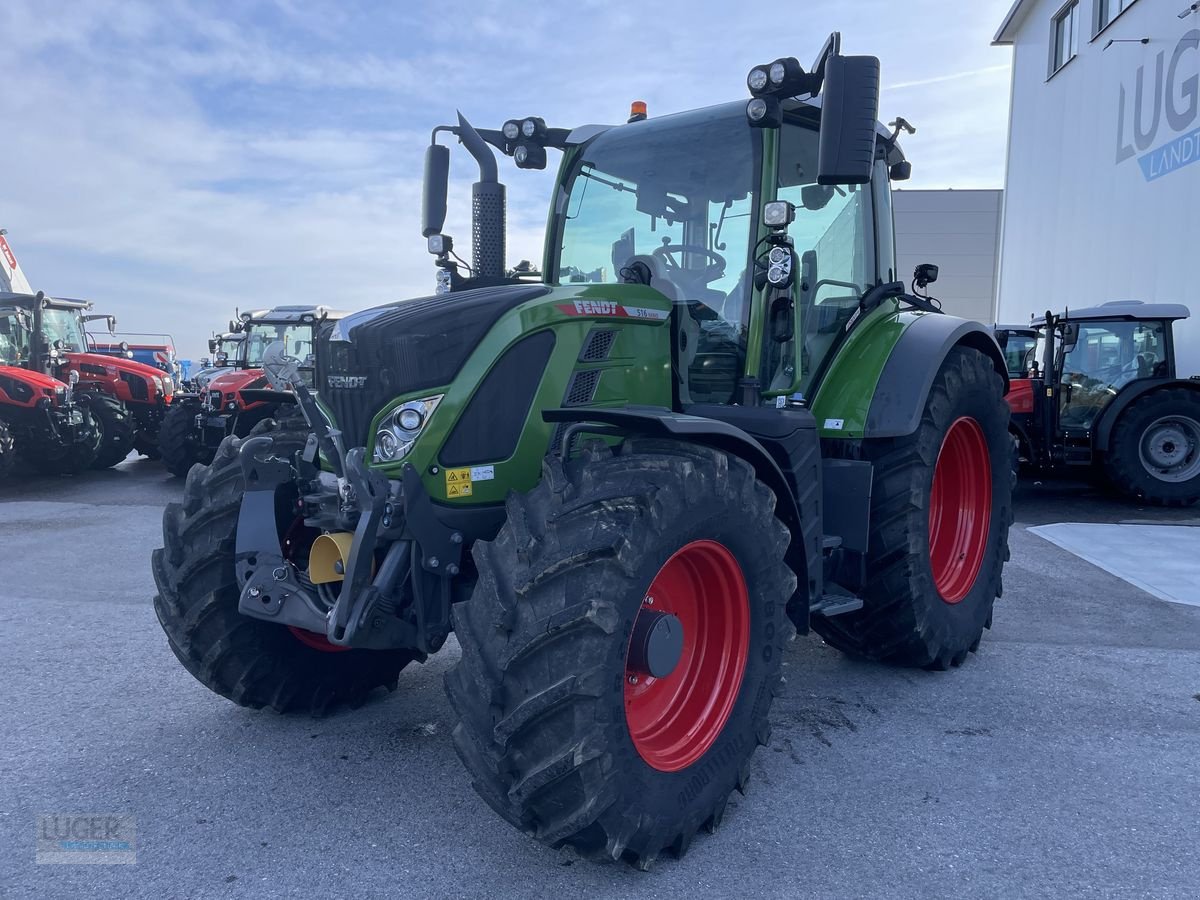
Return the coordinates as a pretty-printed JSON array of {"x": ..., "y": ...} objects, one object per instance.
[
  {"x": 1107, "y": 10},
  {"x": 1064, "y": 40}
]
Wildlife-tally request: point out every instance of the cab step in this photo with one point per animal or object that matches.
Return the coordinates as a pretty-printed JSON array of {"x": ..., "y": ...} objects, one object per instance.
[{"x": 835, "y": 605}]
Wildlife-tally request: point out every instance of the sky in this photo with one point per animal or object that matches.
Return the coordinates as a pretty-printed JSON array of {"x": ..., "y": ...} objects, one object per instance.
[{"x": 173, "y": 161}]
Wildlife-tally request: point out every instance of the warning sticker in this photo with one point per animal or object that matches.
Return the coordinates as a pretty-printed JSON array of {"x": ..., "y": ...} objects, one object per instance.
[{"x": 458, "y": 483}]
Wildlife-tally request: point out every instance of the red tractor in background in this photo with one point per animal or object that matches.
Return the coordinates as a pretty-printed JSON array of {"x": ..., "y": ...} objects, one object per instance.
[
  {"x": 135, "y": 395},
  {"x": 1097, "y": 389},
  {"x": 234, "y": 401},
  {"x": 44, "y": 422}
]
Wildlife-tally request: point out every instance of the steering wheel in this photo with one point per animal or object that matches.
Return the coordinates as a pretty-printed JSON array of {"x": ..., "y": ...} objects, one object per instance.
[{"x": 673, "y": 268}]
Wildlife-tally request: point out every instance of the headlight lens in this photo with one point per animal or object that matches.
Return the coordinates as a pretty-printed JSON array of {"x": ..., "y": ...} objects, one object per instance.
[
  {"x": 756, "y": 109},
  {"x": 528, "y": 128},
  {"x": 778, "y": 71},
  {"x": 400, "y": 428},
  {"x": 158, "y": 383},
  {"x": 757, "y": 79},
  {"x": 511, "y": 130}
]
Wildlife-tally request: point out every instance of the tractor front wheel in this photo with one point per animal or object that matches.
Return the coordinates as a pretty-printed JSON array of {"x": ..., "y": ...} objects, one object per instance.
[
  {"x": 622, "y": 647},
  {"x": 115, "y": 426},
  {"x": 1154, "y": 453},
  {"x": 250, "y": 661},
  {"x": 178, "y": 441},
  {"x": 941, "y": 506}
]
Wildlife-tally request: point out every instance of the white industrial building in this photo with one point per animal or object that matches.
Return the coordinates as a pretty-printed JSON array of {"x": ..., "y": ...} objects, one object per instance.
[
  {"x": 958, "y": 231},
  {"x": 1102, "y": 192}
]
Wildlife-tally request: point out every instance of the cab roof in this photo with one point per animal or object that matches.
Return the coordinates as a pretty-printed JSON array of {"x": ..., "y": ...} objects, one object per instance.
[{"x": 1129, "y": 311}]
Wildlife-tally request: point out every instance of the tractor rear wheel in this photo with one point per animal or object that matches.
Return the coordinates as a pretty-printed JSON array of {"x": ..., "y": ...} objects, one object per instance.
[
  {"x": 1154, "y": 453},
  {"x": 252, "y": 662},
  {"x": 177, "y": 439},
  {"x": 622, "y": 648},
  {"x": 116, "y": 429},
  {"x": 7, "y": 450},
  {"x": 941, "y": 506}
]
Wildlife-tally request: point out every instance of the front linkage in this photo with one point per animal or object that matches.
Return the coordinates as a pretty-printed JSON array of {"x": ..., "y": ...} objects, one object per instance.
[{"x": 357, "y": 511}]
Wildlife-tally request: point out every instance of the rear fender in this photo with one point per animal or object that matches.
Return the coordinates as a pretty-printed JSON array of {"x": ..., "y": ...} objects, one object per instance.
[{"x": 877, "y": 385}]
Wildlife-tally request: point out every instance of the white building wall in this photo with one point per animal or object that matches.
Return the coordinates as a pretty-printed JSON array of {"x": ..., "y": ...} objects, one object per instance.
[
  {"x": 958, "y": 231},
  {"x": 1089, "y": 215}
]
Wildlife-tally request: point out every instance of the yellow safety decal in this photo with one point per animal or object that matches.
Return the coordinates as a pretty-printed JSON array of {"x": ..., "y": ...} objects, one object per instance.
[{"x": 458, "y": 483}]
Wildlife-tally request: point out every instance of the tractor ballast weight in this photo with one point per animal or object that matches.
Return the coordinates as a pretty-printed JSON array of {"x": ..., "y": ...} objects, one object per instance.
[{"x": 616, "y": 480}]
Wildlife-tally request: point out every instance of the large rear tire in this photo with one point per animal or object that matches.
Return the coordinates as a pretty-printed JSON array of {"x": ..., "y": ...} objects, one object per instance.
[
  {"x": 252, "y": 662},
  {"x": 941, "y": 506},
  {"x": 177, "y": 439},
  {"x": 1154, "y": 452},
  {"x": 566, "y": 733},
  {"x": 116, "y": 429}
]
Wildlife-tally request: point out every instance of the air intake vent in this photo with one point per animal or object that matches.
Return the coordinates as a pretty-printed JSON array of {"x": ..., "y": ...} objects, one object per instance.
[
  {"x": 598, "y": 345},
  {"x": 582, "y": 388}
]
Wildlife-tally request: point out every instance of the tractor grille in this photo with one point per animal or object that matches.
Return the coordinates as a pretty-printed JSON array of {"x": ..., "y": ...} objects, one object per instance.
[
  {"x": 582, "y": 388},
  {"x": 598, "y": 345}
]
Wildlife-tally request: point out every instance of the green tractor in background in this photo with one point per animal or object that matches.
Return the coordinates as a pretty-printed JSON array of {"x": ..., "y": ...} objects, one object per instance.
[{"x": 715, "y": 416}]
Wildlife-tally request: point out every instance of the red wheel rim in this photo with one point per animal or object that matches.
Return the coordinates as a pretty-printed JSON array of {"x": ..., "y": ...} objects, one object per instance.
[
  {"x": 960, "y": 510},
  {"x": 675, "y": 719},
  {"x": 296, "y": 544}
]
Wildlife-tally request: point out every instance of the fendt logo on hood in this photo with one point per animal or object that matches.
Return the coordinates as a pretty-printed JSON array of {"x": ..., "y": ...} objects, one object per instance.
[{"x": 346, "y": 381}]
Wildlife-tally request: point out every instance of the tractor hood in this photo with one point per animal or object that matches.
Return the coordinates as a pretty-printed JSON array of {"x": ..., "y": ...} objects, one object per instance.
[
  {"x": 238, "y": 379},
  {"x": 371, "y": 357},
  {"x": 121, "y": 364},
  {"x": 34, "y": 379}
]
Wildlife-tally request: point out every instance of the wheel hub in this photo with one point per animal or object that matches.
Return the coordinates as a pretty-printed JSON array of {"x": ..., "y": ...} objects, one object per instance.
[
  {"x": 656, "y": 645},
  {"x": 1170, "y": 449}
]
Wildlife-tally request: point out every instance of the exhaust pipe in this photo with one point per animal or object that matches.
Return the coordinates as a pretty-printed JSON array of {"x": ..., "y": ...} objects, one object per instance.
[{"x": 487, "y": 206}]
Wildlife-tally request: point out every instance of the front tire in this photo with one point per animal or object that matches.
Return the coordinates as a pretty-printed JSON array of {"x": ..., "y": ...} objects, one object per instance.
[
  {"x": 116, "y": 429},
  {"x": 564, "y": 729},
  {"x": 177, "y": 439},
  {"x": 941, "y": 506},
  {"x": 252, "y": 662},
  {"x": 1155, "y": 448}
]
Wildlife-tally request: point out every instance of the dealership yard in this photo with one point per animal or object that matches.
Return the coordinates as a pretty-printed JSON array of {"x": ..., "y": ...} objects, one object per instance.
[{"x": 1060, "y": 760}]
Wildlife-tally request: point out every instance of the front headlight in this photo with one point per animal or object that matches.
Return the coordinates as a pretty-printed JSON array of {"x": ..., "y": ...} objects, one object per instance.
[
  {"x": 400, "y": 428},
  {"x": 158, "y": 383},
  {"x": 168, "y": 385}
]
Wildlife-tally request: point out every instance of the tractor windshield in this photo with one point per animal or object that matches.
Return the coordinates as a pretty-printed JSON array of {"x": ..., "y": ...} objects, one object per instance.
[
  {"x": 14, "y": 338},
  {"x": 64, "y": 325},
  {"x": 297, "y": 342},
  {"x": 671, "y": 202},
  {"x": 1105, "y": 357}
]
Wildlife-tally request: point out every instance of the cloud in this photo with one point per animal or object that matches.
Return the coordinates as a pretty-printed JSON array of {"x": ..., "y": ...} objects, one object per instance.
[{"x": 172, "y": 160}]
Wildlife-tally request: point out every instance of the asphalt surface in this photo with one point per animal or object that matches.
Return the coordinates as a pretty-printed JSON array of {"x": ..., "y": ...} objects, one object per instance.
[{"x": 1061, "y": 760}]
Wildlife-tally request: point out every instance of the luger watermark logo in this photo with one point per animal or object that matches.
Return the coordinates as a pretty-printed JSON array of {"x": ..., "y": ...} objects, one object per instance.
[
  {"x": 97, "y": 839},
  {"x": 1175, "y": 103}
]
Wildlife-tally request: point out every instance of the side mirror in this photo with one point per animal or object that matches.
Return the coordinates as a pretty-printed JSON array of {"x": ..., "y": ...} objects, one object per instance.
[
  {"x": 437, "y": 183},
  {"x": 849, "y": 110},
  {"x": 212, "y": 345},
  {"x": 1070, "y": 336},
  {"x": 925, "y": 274},
  {"x": 816, "y": 196}
]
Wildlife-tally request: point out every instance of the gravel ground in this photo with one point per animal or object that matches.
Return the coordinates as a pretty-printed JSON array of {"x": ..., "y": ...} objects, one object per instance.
[{"x": 1059, "y": 761}]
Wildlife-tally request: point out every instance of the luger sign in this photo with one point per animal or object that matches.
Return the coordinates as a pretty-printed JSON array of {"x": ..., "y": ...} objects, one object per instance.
[{"x": 1174, "y": 103}]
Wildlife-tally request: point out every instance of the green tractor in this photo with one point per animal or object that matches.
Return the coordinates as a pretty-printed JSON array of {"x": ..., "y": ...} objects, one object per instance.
[{"x": 714, "y": 418}]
